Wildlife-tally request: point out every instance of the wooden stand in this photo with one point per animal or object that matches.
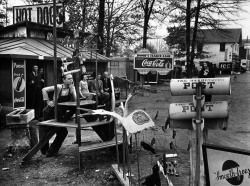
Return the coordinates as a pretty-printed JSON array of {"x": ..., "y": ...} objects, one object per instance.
[
  {"x": 191, "y": 116},
  {"x": 18, "y": 121},
  {"x": 119, "y": 173}
]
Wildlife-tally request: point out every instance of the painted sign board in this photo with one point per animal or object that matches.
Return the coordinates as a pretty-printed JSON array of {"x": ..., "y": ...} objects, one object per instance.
[
  {"x": 226, "y": 166},
  {"x": 217, "y": 109},
  {"x": 153, "y": 62},
  {"x": 247, "y": 46},
  {"x": 18, "y": 83},
  {"x": 39, "y": 13},
  {"x": 210, "y": 86}
]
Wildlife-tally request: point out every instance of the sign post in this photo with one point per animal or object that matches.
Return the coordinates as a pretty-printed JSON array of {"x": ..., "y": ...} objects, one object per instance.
[{"x": 197, "y": 112}]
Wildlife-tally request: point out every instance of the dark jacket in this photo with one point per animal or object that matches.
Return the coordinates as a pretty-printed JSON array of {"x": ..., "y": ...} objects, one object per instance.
[{"x": 106, "y": 84}]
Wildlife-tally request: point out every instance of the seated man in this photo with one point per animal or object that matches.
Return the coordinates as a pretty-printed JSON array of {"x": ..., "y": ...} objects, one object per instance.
[
  {"x": 96, "y": 86},
  {"x": 65, "y": 92},
  {"x": 106, "y": 83}
]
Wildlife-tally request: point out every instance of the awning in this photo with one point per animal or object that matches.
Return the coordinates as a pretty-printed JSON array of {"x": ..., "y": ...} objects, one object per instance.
[
  {"x": 160, "y": 71},
  {"x": 92, "y": 56},
  {"x": 34, "y": 48},
  {"x": 31, "y": 48}
]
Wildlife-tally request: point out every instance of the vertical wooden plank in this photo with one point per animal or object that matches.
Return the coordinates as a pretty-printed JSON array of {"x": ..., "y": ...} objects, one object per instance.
[{"x": 55, "y": 56}]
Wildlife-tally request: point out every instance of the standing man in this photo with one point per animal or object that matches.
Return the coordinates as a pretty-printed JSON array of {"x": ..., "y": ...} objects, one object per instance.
[
  {"x": 34, "y": 92},
  {"x": 207, "y": 71},
  {"x": 41, "y": 72},
  {"x": 65, "y": 92}
]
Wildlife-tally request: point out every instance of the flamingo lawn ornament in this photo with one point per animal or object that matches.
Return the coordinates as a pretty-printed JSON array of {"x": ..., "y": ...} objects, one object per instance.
[{"x": 133, "y": 123}]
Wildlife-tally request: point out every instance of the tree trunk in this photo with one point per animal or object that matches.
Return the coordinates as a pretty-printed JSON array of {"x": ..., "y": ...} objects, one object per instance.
[
  {"x": 83, "y": 19},
  {"x": 101, "y": 26},
  {"x": 189, "y": 71},
  {"x": 145, "y": 27},
  {"x": 195, "y": 33}
]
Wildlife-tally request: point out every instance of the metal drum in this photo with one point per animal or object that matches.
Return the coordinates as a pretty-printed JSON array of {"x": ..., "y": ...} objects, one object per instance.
[
  {"x": 210, "y": 86},
  {"x": 216, "y": 109}
]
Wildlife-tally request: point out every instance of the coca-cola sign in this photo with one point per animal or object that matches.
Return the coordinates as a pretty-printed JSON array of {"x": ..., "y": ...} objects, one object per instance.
[
  {"x": 153, "y": 62},
  {"x": 18, "y": 83}
]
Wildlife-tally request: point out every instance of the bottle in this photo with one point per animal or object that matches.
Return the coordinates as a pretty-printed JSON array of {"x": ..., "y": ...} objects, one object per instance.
[{"x": 19, "y": 83}]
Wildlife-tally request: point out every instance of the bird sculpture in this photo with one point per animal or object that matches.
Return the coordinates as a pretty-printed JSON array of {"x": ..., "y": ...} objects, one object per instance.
[
  {"x": 153, "y": 179},
  {"x": 65, "y": 64},
  {"x": 156, "y": 115},
  {"x": 147, "y": 147},
  {"x": 135, "y": 122},
  {"x": 152, "y": 142}
]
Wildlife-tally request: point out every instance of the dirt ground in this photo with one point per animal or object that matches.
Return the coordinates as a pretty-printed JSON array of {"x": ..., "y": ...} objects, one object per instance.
[{"x": 97, "y": 171}]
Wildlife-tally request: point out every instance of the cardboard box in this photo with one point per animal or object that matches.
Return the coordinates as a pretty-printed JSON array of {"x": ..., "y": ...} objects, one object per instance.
[{"x": 20, "y": 117}]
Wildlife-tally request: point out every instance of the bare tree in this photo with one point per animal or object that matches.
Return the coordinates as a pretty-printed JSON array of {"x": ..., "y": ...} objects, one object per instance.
[{"x": 202, "y": 14}]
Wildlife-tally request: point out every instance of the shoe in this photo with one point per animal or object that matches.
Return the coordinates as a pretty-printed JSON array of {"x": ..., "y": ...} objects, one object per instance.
[{"x": 55, "y": 154}]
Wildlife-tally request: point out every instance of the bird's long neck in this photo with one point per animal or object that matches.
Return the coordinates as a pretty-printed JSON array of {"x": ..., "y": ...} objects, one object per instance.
[
  {"x": 115, "y": 115},
  {"x": 126, "y": 106},
  {"x": 113, "y": 94}
]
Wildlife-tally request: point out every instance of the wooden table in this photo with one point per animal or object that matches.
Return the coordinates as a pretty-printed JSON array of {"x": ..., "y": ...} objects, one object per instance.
[
  {"x": 82, "y": 103},
  {"x": 48, "y": 136}
]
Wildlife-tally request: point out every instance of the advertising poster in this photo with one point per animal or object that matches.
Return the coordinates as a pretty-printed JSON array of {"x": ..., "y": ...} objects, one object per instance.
[
  {"x": 153, "y": 62},
  {"x": 226, "y": 166},
  {"x": 18, "y": 83}
]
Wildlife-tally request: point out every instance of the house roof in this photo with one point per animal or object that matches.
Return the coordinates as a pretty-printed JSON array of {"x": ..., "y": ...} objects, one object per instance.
[
  {"x": 220, "y": 35},
  {"x": 34, "y": 48}
]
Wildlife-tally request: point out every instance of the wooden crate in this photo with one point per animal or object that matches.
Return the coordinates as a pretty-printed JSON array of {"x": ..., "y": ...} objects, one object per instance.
[{"x": 20, "y": 117}]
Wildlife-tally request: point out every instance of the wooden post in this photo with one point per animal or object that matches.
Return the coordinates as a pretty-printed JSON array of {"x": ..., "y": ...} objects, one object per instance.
[
  {"x": 196, "y": 160},
  {"x": 55, "y": 55}
]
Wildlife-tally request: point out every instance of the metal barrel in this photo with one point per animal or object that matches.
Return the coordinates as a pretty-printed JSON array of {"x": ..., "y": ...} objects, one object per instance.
[
  {"x": 216, "y": 109},
  {"x": 210, "y": 86}
]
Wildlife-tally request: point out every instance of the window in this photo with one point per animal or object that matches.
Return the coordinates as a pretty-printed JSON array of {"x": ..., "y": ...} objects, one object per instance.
[
  {"x": 114, "y": 63},
  {"x": 222, "y": 47}
]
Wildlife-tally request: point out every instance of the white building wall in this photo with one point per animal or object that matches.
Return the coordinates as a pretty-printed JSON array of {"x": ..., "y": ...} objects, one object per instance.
[{"x": 217, "y": 56}]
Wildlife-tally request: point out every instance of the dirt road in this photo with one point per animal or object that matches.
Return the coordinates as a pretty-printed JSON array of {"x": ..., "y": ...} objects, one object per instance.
[{"x": 63, "y": 170}]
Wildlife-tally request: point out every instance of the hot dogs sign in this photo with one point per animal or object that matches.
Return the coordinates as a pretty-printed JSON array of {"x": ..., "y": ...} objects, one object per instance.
[{"x": 41, "y": 13}]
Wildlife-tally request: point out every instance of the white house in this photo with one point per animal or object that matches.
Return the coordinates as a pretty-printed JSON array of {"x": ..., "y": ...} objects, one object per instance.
[{"x": 222, "y": 45}]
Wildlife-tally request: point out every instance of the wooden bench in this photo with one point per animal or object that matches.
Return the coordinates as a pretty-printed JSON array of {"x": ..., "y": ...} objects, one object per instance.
[
  {"x": 72, "y": 124},
  {"x": 96, "y": 146}
]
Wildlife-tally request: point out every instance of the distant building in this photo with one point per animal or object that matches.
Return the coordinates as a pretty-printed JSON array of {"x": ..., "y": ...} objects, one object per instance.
[
  {"x": 121, "y": 67},
  {"x": 221, "y": 45}
]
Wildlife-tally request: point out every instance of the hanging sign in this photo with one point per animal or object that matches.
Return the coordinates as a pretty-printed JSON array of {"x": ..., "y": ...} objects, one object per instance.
[
  {"x": 217, "y": 109},
  {"x": 226, "y": 166},
  {"x": 153, "y": 63},
  {"x": 210, "y": 86},
  {"x": 39, "y": 13},
  {"x": 18, "y": 84}
]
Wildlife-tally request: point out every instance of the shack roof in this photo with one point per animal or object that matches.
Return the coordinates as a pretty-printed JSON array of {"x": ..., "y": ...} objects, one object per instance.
[
  {"x": 220, "y": 35},
  {"x": 35, "y": 48}
]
